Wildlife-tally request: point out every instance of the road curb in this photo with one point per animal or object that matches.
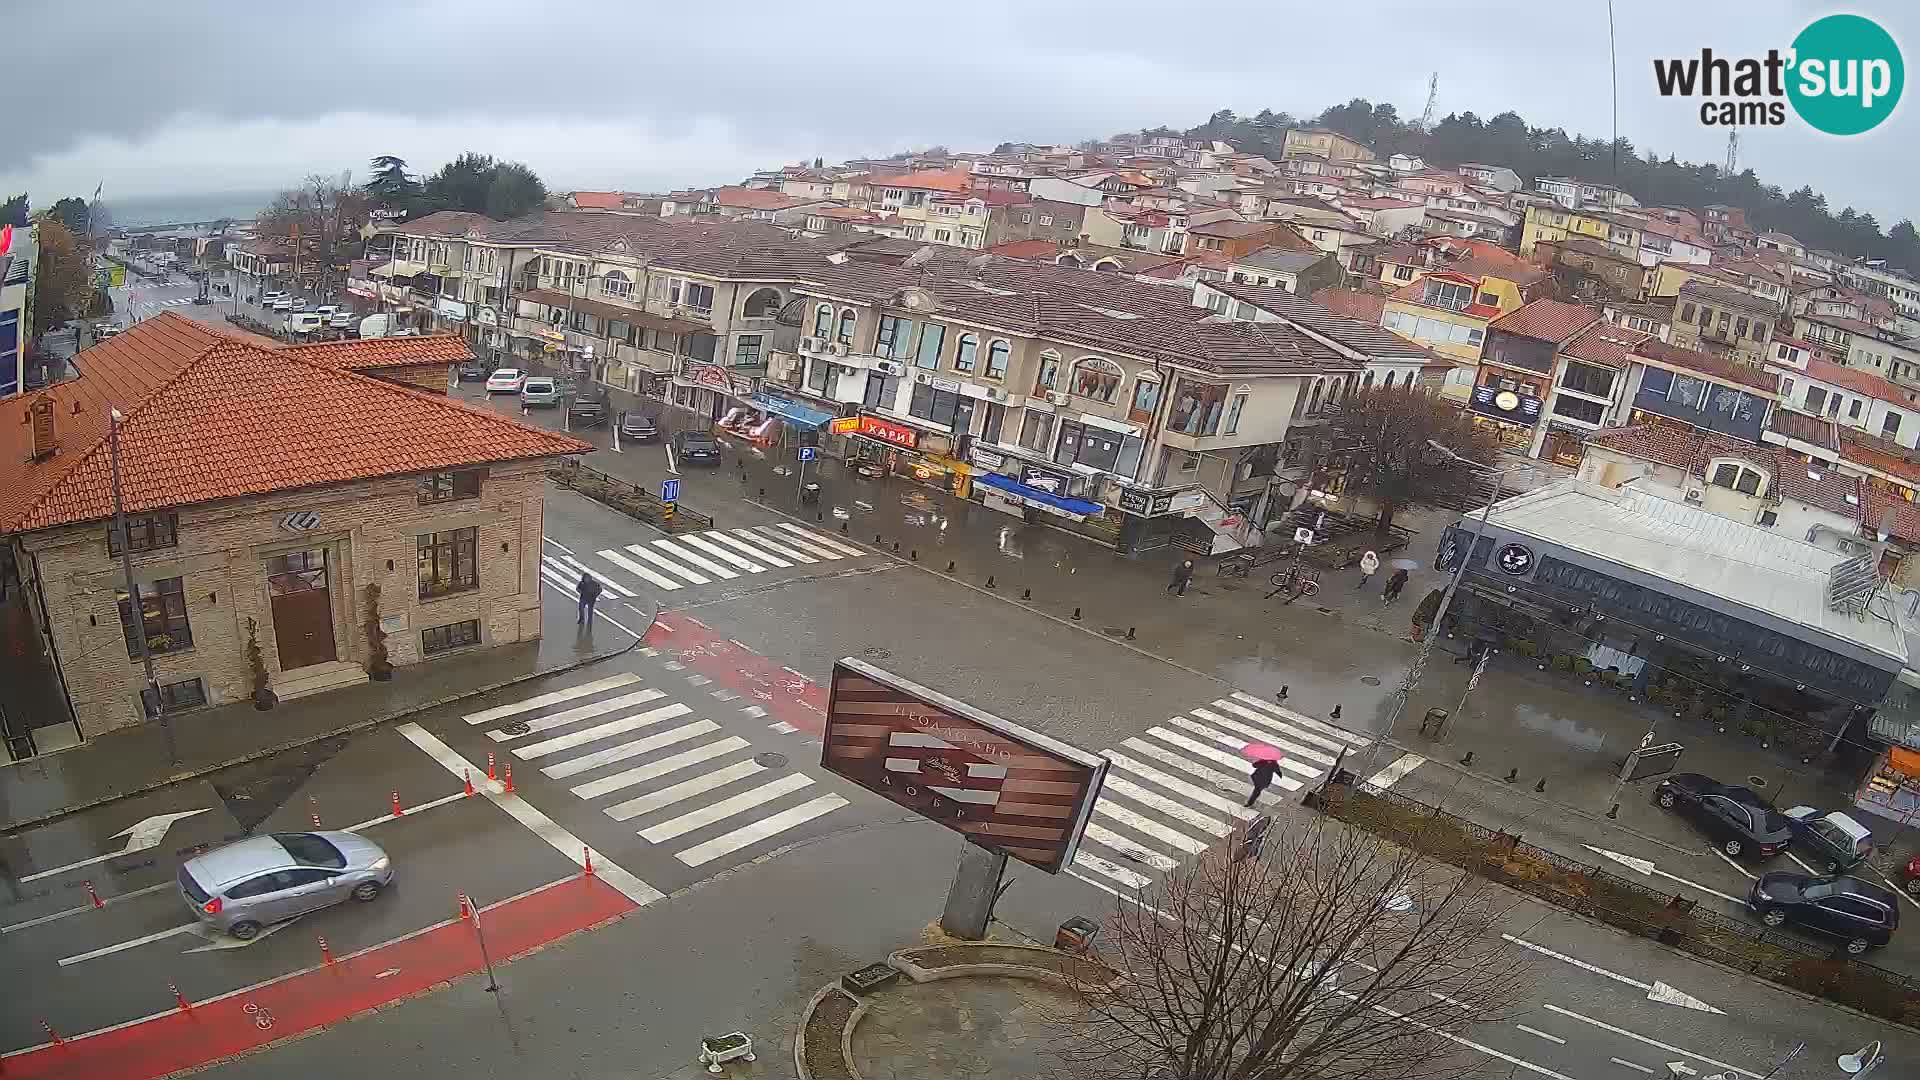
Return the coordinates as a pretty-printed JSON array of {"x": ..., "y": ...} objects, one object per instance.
[{"x": 356, "y": 727}]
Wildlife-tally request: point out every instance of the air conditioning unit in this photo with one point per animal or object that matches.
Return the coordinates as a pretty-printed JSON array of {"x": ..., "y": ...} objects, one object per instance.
[
  {"x": 890, "y": 367},
  {"x": 837, "y": 349},
  {"x": 1055, "y": 397},
  {"x": 809, "y": 344},
  {"x": 994, "y": 393},
  {"x": 1694, "y": 495},
  {"x": 922, "y": 377}
]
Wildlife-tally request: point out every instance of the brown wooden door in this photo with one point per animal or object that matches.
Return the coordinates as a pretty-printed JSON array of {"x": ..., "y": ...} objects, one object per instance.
[{"x": 302, "y": 608}]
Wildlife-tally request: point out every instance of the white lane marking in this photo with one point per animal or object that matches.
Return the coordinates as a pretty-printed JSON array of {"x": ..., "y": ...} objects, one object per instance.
[
  {"x": 1199, "y": 795},
  {"x": 408, "y": 811},
  {"x": 783, "y": 727},
  {"x": 754, "y": 711},
  {"x": 795, "y": 672},
  {"x": 552, "y": 698},
  {"x": 538, "y": 823},
  {"x": 588, "y": 762},
  {"x": 1802, "y": 864},
  {"x": 1631, "y": 1065},
  {"x": 642, "y": 572},
  {"x": 726, "y": 808},
  {"x": 68, "y": 961},
  {"x": 694, "y": 557},
  {"x": 554, "y": 578},
  {"x": 1232, "y": 742},
  {"x": 743, "y": 546},
  {"x": 801, "y": 543},
  {"x": 1106, "y": 837},
  {"x": 593, "y": 789},
  {"x": 1303, "y": 720},
  {"x": 821, "y": 539},
  {"x": 600, "y": 731},
  {"x": 711, "y": 548},
  {"x": 664, "y": 563},
  {"x": 1285, "y": 783},
  {"x": 558, "y": 544},
  {"x": 578, "y": 568},
  {"x": 141, "y": 835},
  {"x": 765, "y": 828},
  {"x": 1254, "y": 734},
  {"x": 686, "y": 789},
  {"x": 1178, "y": 811},
  {"x": 1603, "y": 1025},
  {"x": 1320, "y": 744},
  {"x": 1129, "y": 878},
  {"x": 1646, "y": 868},
  {"x": 1219, "y": 780},
  {"x": 1541, "y": 1034},
  {"x": 672, "y": 665},
  {"x": 698, "y": 680},
  {"x": 1138, "y": 823},
  {"x": 1656, "y": 991},
  {"x": 1393, "y": 773},
  {"x": 1748, "y": 874},
  {"x": 662, "y": 624},
  {"x": 785, "y": 551},
  {"x": 582, "y": 712},
  {"x": 108, "y": 900}
]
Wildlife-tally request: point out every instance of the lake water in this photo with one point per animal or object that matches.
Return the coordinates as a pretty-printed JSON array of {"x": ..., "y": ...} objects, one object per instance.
[{"x": 136, "y": 212}]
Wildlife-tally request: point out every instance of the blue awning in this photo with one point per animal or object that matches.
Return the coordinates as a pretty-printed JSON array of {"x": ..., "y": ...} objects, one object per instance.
[
  {"x": 1045, "y": 499},
  {"x": 790, "y": 410}
]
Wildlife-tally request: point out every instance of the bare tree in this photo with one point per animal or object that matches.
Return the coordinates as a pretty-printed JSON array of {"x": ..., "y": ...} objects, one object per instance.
[
  {"x": 320, "y": 220},
  {"x": 1331, "y": 955}
]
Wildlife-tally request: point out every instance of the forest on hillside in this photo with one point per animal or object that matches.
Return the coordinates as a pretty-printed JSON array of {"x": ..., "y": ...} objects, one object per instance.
[{"x": 1507, "y": 139}]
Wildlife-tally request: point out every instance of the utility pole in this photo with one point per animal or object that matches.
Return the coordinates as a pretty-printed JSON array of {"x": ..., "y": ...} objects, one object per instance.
[
  {"x": 150, "y": 696},
  {"x": 1433, "y": 96},
  {"x": 1733, "y": 152}
]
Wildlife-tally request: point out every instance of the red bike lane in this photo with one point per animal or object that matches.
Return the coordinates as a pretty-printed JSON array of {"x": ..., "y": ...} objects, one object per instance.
[{"x": 786, "y": 695}]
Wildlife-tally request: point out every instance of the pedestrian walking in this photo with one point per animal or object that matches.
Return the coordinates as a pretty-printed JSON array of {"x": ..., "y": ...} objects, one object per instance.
[
  {"x": 1263, "y": 771},
  {"x": 588, "y": 591},
  {"x": 1182, "y": 577},
  {"x": 1394, "y": 584},
  {"x": 1369, "y": 565}
]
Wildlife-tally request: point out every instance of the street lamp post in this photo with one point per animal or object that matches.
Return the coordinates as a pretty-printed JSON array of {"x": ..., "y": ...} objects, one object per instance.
[{"x": 150, "y": 696}]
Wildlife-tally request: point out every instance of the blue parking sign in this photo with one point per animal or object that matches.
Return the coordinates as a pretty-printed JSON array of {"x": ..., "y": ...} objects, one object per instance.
[
  {"x": 808, "y": 453},
  {"x": 670, "y": 490}
]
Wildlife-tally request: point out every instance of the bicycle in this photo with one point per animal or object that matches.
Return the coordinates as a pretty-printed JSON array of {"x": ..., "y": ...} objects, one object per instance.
[
  {"x": 1235, "y": 566},
  {"x": 1301, "y": 581}
]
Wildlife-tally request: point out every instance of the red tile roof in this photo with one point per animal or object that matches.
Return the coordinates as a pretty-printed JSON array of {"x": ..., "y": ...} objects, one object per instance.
[
  {"x": 1694, "y": 450},
  {"x": 444, "y": 223},
  {"x": 1652, "y": 442},
  {"x": 1865, "y": 383},
  {"x": 928, "y": 179},
  {"x": 1707, "y": 364},
  {"x": 754, "y": 198},
  {"x": 1352, "y": 303},
  {"x": 1605, "y": 343},
  {"x": 1875, "y": 453},
  {"x": 1886, "y": 509},
  {"x": 355, "y": 355},
  {"x": 1812, "y": 430},
  {"x": 1546, "y": 320},
  {"x": 208, "y": 417},
  {"x": 597, "y": 200},
  {"x": 1027, "y": 249}
]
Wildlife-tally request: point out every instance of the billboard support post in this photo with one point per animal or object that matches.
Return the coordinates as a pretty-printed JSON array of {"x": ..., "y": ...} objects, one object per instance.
[{"x": 976, "y": 885}]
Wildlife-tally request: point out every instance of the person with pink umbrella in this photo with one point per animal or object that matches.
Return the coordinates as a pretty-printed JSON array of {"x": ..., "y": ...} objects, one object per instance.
[{"x": 1266, "y": 762}]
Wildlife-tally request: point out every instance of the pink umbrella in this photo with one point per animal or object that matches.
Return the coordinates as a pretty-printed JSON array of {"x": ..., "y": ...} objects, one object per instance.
[{"x": 1262, "y": 752}]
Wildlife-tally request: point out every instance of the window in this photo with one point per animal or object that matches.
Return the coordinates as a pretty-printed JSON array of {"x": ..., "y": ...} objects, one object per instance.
[
  {"x": 1720, "y": 327},
  {"x": 1580, "y": 409},
  {"x": 1740, "y": 327},
  {"x": 1046, "y": 219},
  {"x": 997, "y": 354},
  {"x": 1447, "y": 294},
  {"x": 932, "y": 337},
  {"x": 146, "y": 532},
  {"x": 1816, "y": 399},
  {"x": 1489, "y": 299},
  {"x": 1321, "y": 234},
  {"x": 1026, "y": 219},
  {"x": 1890, "y": 424},
  {"x": 1403, "y": 273},
  {"x": 1146, "y": 395},
  {"x": 943, "y": 236},
  {"x": 699, "y": 297},
  {"x": 438, "y": 639},
  {"x": 1853, "y": 409},
  {"x": 746, "y": 350},
  {"x": 990, "y": 427},
  {"x": 823, "y": 321},
  {"x": 1759, "y": 329},
  {"x": 447, "y": 562},
  {"x": 1036, "y": 432},
  {"x": 450, "y": 486},
  {"x": 1587, "y": 379},
  {"x": 1686, "y": 312},
  {"x": 1234, "y": 408},
  {"x": 163, "y": 617},
  {"x": 180, "y": 696},
  {"x": 845, "y": 336},
  {"x": 616, "y": 284},
  {"x": 1768, "y": 519},
  {"x": 1244, "y": 311},
  {"x": 1734, "y": 476},
  {"x": 1049, "y": 376},
  {"x": 963, "y": 353},
  {"x": 934, "y": 406},
  {"x": 817, "y": 372},
  {"x": 895, "y": 338},
  {"x": 882, "y": 391},
  {"x": 1096, "y": 378}
]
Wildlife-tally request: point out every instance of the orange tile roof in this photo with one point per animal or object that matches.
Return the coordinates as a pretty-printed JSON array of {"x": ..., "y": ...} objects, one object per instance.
[
  {"x": 927, "y": 179},
  {"x": 1708, "y": 364},
  {"x": 1352, "y": 303},
  {"x": 211, "y": 417},
  {"x": 1027, "y": 249},
  {"x": 597, "y": 200},
  {"x": 1858, "y": 381},
  {"x": 1903, "y": 516},
  {"x": 353, "y": 354},
  {"x": 1546, "y": 320},
  {"x": 754, "y": 198},
  {"x": 1859, "y": 448},
  {"x": 1604, "y": 343}
]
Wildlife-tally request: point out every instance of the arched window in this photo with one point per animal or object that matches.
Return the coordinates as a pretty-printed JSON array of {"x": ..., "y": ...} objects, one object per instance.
[
  {"x": 1313, "y": 402},
  {"x": 1146, "y": 397},
  {"x": 616, "y": 284},
  {"x": 845, "y": 336},
  {"x": 997, "y": 354},
  {"x": 763, "y": 304},
  {"x": 1367, "y": 383},
  {"x": 1737, "y": 475},
  {"x": 1049, "y": 376},
  {"x": 963, "y": 353},
  {"x": 1389, "y": 383},
  {"x": 1096, "y": 378},
  {"x": 823, "y": 321}
]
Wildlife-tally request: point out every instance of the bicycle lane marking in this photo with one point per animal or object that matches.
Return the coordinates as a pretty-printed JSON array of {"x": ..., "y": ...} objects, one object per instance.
[{"x": 785, "y": 695}]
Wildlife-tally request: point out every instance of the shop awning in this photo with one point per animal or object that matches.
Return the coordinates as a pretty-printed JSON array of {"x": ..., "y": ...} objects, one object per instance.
[
  {"x": 791, "y": 411},
  {"x": 1045, "y": 500},
  {"x": 399, "y": 268}
]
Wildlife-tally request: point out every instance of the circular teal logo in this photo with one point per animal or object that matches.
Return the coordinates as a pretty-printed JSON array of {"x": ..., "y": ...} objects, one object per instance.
[{"x": 1847, "y": 75}]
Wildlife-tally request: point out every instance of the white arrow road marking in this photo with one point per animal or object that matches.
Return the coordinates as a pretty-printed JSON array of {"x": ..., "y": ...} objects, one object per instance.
[
  {"x": 1656, "y": 991},
  {"x": 217, "y": 940},
  {"x": 1646, "y": 868},
  {"x": 144, "y": 834},
  {"x": 1681, "y": 1068},
  {"x": 1604, "y": 1026},
  {"x": 67, "y": 961}
]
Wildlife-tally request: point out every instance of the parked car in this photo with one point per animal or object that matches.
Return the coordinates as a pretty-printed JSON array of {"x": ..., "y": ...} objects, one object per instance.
[
  {"x": 539, "y": 393},
  {"x": 1834, "y": 842},
  {"x": 1860, "y": 913},
  {"x": 586, "y": 412},
  {"x": 299, "y": 303},
  {"x": 696, "y": 446},
  {"x": 638, "y": 425},
  {"x": 272, "y": 295},
  {"x": 342, "y": 320},
  {"x": 473, "y": 370},
  {"x": 303, "y": 322},
  {"x": 503, "y": 380},
  {"x": 1910, "y": 876},
  {"x": 1736, "y": 819},
  {"x": 253, "y": 883},
  {"x": 285, "y": 303}
]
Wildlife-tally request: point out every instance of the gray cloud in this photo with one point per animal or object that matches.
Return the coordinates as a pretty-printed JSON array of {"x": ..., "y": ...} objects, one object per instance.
[{"x": 205, "y": 95}]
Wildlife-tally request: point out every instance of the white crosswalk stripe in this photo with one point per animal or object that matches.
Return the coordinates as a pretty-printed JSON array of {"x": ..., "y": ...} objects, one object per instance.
[
  {"x": 1181, "y": 787},
  {"x": 771, "y": 557},
  {"x": 699, "y": 789},
  {"x": 700, "y": 558}
]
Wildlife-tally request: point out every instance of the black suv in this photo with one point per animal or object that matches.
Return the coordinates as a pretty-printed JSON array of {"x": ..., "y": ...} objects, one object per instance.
[
  {"x": 586, "y": 412},
  {"x": 1860, "y": 913},
  {"x": 1734, "y": 817},
  {"x": 696, "y": 446}
]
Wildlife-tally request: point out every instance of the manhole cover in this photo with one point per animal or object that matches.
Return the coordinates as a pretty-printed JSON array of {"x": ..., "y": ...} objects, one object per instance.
[
  {"x": 770, "y": 760},
  {"x": 1324, "y": 610},
  {"x": 518, "y": 727},
  {"x": 1370, "y": 680},
  {"x": 876, "y": 654},
  {"x": 1756, "y": 781},
  {"x": 1114, "y": 631}
]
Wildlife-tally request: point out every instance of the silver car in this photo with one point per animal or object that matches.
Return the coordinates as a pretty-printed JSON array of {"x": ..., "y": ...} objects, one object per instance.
[
  {"x": 539, "y": 391},
  {"x": 253, "y": 883}
]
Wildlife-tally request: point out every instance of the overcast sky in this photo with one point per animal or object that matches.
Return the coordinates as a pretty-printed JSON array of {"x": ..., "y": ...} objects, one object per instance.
[{"x": 200, "y": 96}]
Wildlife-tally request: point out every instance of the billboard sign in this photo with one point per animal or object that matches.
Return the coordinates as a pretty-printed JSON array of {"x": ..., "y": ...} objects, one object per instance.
[{"x": 1003, "y": 786}]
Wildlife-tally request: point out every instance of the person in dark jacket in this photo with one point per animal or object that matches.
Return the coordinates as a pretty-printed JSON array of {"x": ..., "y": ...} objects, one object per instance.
[
  {"x": 588, "y": 591},
  {"x": 1263, "y": 771},
  {"x": 1394, "y": 584},
  {"x": 1182, "y": 577}
]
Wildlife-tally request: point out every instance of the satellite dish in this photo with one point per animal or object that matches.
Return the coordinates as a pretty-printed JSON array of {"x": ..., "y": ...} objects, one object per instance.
[{"x": 919, "y": 258}]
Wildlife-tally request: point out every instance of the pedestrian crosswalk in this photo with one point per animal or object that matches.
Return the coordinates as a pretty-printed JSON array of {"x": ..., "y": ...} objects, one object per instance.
[
  {"x": 700, "y": 558},
  {"x": 682, "y": 781},
  {"x": 1181, "y": 787}
]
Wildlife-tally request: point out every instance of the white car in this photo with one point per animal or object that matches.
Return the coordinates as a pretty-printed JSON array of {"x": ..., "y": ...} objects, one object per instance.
[
  {"x": 506, "y": 381},
  {"x": 283, "y": 304}
]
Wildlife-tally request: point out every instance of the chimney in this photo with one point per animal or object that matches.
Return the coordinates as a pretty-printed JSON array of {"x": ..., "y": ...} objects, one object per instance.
[{"x": 40, "y": 415}]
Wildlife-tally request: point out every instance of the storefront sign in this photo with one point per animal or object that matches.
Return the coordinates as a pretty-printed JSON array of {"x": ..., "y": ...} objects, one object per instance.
[
  {"x": 486, "y": 316},
  {"x": 1515, "y": 559},
  {"x": 951, "y": 386},
  {"x": 1137, "y": 503},
  {"x": 708, "y": 375},
  {"x": 1183, "y": 501},
  {"x": 987, "y": 459},
  {"x": 450, "y": 309},
  {"x": 845, "y": 425},
  {"x": 1505, "y": 405},
  {"x": 888, "y": 432}
]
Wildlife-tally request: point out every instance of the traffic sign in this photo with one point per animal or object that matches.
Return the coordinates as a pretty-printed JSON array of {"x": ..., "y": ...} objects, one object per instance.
[
  {"x": 670, "y": 490},
  {"x": 808, "y": 453}
]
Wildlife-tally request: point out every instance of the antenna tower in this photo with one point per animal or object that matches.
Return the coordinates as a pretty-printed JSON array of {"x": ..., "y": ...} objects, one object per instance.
[
  {"x": 1433, "y": 95},
  {"x": 1733, "y": 152}
]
